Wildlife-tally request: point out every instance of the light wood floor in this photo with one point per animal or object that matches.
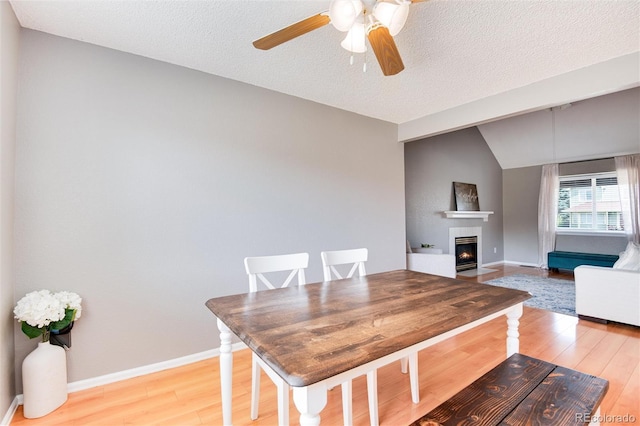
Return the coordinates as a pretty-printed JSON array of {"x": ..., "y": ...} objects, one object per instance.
[{"x": 190, "y": 395}]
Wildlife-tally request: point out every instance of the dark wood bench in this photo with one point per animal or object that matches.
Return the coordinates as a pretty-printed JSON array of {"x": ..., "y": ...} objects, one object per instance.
[
  {"x": 521, "y": 391},
  {"x": 569, "y": 260}
]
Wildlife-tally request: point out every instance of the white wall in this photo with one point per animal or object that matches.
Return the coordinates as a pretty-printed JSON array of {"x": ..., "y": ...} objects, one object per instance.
[
  {"x": 9, "y": 37},
  {"x": 142, "y": 186}
]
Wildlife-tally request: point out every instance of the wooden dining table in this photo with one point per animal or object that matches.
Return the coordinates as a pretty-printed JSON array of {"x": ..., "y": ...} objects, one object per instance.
[{"x": 321, "y": 335}]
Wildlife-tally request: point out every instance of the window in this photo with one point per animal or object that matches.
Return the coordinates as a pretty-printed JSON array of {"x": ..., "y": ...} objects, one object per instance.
[{"x": 589, "y": 203}]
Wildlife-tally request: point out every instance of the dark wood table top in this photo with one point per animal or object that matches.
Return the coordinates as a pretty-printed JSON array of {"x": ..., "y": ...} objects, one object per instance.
[{"x": 309, "y": 333}]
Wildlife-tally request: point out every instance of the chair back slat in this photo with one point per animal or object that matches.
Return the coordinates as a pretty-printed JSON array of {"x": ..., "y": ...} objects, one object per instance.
[
  {"x": 264, "y": 281},
  {"x": 341, "y": 257},
  {"x": 335, "y": 273},
  {"x": 257, "y": 266}
]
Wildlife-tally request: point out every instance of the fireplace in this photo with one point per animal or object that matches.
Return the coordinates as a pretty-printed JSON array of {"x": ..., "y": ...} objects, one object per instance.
[
  {"x": 463, "y": 234},
  {"x": 466, "y": 253}
]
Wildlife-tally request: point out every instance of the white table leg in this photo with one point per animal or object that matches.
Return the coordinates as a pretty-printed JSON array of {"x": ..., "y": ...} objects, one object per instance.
[
  {"x": 347, "y": 409},
  {"x": 413, "y": 378},
  {"x": 310, "y": 401},
  {"x": 513, "y": 321},
  {"x": 255, "y": 386},
  {"x": 226, "y": 369},
  {"x": 283, "y": 403},
  {"x": 403, "y": 365},
  {"x": 372, "y": 391}
]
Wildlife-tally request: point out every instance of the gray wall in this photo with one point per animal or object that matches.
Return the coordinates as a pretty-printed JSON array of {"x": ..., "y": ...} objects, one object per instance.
[
  {"x": 521, "y": 189},
  {"x": 433, "y": 163},
  {"x": 9, "y": 38},
  {"x": 142, "y": 186},
  {"x": 594, "y": 128},
  {"x": 431, "y": 167}
]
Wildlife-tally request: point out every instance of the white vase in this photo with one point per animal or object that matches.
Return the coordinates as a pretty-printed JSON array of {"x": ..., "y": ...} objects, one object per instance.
[{"x": 44, "y": 380}]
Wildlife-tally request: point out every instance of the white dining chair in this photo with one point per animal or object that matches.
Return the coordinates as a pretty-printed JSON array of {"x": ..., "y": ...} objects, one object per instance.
[
  {"x": 331, "y": 259},
  {"x": 256, "y": 267},
  {"x": 355, "y": 259}
]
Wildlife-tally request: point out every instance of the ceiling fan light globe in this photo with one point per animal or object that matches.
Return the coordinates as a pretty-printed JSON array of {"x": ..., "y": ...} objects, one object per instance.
[
  {"x": 343, "y": 13},
  {"x": 355, "y": 39},
  {"x": 392, "y": 15}
]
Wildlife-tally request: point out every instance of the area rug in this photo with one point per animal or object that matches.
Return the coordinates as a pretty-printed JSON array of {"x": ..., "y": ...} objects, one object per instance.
[{"x": 551, "y": 294}]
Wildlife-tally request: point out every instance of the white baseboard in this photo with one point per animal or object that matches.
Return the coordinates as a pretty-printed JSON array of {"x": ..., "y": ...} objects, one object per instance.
[
  {"x": 515, "y": 262},
  {"x": 6, "y": 420},
  {"x": 510, "y": 262},
  {"x": 127, "y": 374},
  {"x": 147, "y": 369}
]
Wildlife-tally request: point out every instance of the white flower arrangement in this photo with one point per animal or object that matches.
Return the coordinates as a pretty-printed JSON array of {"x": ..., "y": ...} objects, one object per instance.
[{"x": 40, "y": 312}]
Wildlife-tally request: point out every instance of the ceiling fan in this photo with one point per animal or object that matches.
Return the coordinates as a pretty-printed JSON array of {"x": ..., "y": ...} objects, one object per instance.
[{"x": 375, "y": 20}]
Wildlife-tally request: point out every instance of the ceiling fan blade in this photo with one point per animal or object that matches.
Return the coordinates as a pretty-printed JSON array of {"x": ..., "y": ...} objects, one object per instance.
[
  {"x": 386, "y": 51},
  {"x": 292, "y": 31}
]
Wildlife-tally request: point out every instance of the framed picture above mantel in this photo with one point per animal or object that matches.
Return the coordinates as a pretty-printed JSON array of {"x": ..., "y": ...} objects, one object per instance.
[
  {"x": 466, "y": 196},
  {"x": 467, "y": 203}
]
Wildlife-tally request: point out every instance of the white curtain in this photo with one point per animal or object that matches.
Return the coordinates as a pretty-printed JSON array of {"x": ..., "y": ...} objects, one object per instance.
[
  {"x": 547, "y": 212},
  {"x": 628, "y": 171}
]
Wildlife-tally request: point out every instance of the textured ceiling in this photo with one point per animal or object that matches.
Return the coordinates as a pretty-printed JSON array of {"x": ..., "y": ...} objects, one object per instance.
[{"x": 455, "y": 52}]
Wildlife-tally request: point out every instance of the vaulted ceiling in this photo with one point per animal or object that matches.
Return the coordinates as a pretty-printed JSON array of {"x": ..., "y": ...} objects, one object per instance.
[{"x": 476, "y": 60}]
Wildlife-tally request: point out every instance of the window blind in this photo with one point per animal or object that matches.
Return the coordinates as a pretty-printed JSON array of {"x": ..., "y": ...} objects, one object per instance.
[{"x": 589, "y": 203}]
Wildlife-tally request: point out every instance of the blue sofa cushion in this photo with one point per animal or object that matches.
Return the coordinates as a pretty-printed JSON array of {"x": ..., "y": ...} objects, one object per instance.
[{"x": 569, "y": 259}]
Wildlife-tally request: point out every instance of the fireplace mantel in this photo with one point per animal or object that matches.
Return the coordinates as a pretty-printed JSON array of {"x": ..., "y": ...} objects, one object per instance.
[{"x": 467, "y": 215}]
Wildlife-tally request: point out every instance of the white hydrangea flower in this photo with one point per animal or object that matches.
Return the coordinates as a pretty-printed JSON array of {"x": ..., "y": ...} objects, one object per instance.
[
  {"x": 70, "y": 300},
  {"x": 39, "y": 309}
]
